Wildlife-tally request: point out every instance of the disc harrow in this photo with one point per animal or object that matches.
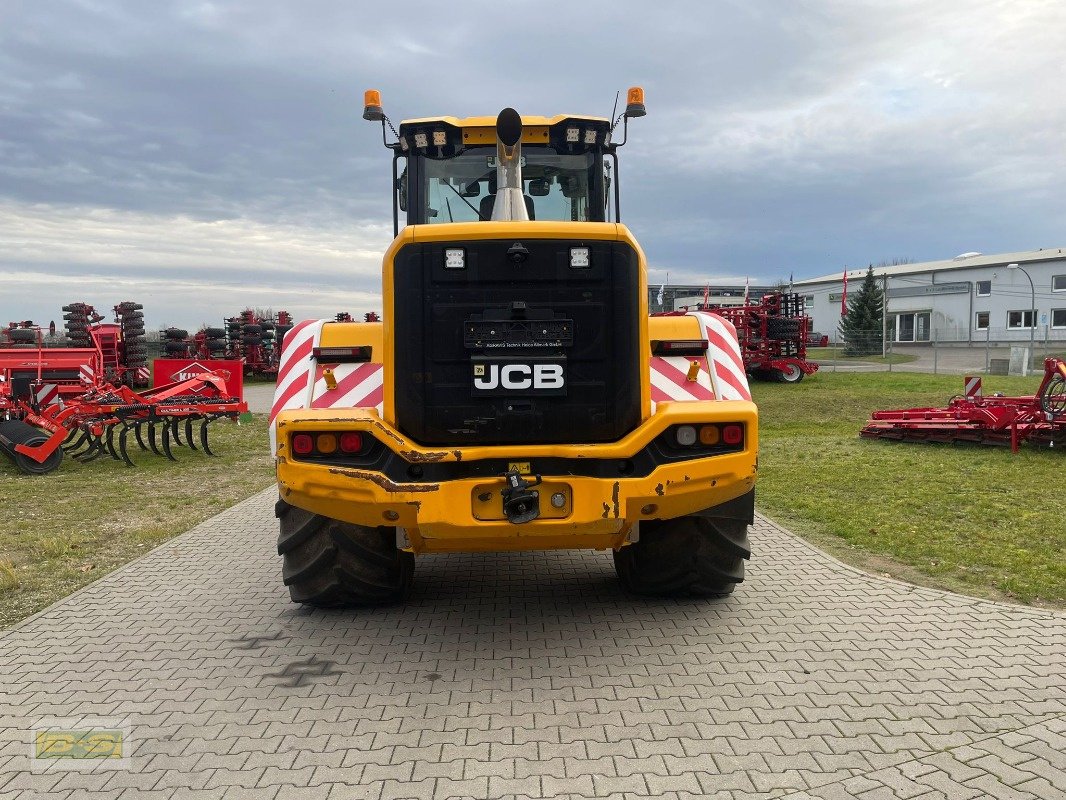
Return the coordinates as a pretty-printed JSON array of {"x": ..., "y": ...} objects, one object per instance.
[
  {"x": 1038, "y": 419},
  {"x": 99, "y": 423}
]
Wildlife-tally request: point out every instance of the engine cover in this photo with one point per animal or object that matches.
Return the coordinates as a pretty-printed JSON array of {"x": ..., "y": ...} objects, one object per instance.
[{"x": 516, "y": 347}]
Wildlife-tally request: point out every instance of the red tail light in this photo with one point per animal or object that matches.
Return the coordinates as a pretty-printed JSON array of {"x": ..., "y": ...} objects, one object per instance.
[
  {"x": 351, "y": 442},
  {"x": 302, "y": 444},
  {"x": 732, "y": 434}
]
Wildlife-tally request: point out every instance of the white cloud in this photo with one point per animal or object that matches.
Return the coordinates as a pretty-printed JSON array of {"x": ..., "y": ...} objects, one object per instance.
[
  {"x": 184, "y": 269},
  {"x": 216, "y": 148}
]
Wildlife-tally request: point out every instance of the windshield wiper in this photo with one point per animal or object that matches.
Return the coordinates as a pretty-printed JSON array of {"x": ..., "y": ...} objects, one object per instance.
[{"x": 465, "y": 201}]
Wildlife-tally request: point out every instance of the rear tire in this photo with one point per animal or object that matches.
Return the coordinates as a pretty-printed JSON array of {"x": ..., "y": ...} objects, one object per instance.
[
  {"x": 328, "y": 563},
  {"x": 685, "y": 557}
]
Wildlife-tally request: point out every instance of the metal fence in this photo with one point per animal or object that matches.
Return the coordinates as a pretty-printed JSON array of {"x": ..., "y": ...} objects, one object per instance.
[{"x": 987, "y": 351}]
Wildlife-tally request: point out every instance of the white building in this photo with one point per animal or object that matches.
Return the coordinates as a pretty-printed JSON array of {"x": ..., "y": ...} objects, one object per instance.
[{"x": 969, "y": 298}]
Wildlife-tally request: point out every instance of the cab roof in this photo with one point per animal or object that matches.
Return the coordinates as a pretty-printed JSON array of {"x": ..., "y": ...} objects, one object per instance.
[{"x": 528, "y": 121}]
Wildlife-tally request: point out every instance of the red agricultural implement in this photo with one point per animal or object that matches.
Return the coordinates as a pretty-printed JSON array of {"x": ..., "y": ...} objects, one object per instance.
[
  {"x": 43, "y": 375},
  {"x": 35, "y": 436},
  {"x": 1039, "y": 419},
  {"x": 254, "y": 341},
  {"x": 773, "y": 335}
]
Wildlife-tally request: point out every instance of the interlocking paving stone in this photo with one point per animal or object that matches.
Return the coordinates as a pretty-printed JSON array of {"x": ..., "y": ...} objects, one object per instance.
[{"x": 532, "y": 675}]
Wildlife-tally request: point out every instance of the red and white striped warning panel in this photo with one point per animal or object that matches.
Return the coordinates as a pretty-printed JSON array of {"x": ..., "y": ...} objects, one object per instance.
[
  {"x": 46, "y": 394},
  {"x": 357, "y": 386},
  {"x": 723, "y": 351},
  {"x": 972, "y": 386},
  {"x": 719, "y": 376},
  {"x": 86, "y": 374},
  {"x": 295, "y": 372},
  {"x": 144, "y": 375},
  {"x": 670, "y": 381}
]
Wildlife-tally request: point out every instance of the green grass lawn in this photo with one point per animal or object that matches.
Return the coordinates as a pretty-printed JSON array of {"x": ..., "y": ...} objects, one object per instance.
[
  {"x": 826, "y": 354},
  {"x": 63, "y": 530},
  {"x": 979, "y": 520}
]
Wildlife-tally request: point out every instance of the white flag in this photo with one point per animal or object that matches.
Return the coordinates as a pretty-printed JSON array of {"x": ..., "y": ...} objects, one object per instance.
[
  {"x": 659, "y": 297},
  {"x": 746, "y": 291}
]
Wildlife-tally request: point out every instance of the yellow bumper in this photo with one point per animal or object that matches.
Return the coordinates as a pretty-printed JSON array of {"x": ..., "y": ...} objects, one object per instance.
[{"x": 465, "y": 514}]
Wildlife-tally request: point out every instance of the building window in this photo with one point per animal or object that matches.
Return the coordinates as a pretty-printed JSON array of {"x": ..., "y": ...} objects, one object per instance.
[
  {"x": 1020, "y": 320},
  {"x": 984, "y": 288},
  {"x": 982, "y": 321},
  {"x": 912, "y": 327},
  {"x": 808, "y": 301},
  {"x": 1058, "y": 283},
  {"x": 1058, "y": 318}
]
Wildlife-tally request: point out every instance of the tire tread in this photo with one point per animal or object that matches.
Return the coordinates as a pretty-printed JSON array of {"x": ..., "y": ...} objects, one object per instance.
[
  {"x": 328, "y": 563},
  {"x": 693, "y": 556}
]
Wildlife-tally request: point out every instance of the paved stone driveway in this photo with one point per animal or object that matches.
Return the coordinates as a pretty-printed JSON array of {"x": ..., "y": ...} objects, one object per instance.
[{"x": 531, "y": 674}]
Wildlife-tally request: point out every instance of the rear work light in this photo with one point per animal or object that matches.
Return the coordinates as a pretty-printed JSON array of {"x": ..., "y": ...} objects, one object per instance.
[
  {"x": 454, "y": 258},
  {"x": 343, "y": 355},
  {"x": 679, "y": 347},
  {"x": 579, "y": 257}
]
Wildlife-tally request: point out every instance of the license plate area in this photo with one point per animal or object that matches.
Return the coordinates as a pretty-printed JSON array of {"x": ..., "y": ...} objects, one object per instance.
[
  {"x": 503, "y": 335},
  {"x": 518, "y": 376}
]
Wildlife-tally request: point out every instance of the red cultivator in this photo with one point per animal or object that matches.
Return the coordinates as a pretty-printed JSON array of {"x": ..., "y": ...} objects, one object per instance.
[
  {"x": 1039, "y": 419},
  {"x": 101, "y": 421},
  {"x": 773, "y": 337}
]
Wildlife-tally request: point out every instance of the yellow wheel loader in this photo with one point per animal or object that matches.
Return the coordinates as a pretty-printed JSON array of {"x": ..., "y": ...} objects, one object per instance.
[{"x": 516, "y": 394}]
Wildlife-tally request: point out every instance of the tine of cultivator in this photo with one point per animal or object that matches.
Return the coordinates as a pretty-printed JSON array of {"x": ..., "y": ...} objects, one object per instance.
[
  {"x": 174, "y": 431},
  {"x": 166, "y": 442},
  {"x": 151, "y": 439},
  {"x": 203, "y": 436},
  {"x": 70, "y": 448},
  {"x": 110, "y": 441},
  {"x": 188, "y": 433},
  {"x": 122, "y": 445},
  {"x": 89, "y": 441},
  {"x": 137, "y": 434},
  {"x": 96, "y": 449}
]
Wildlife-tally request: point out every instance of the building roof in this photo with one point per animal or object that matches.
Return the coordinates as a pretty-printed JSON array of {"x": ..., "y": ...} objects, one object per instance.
[{"x": 963, "y": 261}]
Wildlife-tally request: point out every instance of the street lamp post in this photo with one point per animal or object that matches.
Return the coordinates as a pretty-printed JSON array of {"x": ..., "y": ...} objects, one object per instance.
[{"x": 1032, "y": 306}]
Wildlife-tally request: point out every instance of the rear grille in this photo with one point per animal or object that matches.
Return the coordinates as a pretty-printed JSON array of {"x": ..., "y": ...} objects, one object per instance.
[{"x": 480, "y": 352}]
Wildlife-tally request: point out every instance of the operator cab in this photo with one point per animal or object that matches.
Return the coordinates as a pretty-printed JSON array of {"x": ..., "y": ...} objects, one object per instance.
[
  {"x": 449, "y": 169},
  {"x": 446, "y": 169}
]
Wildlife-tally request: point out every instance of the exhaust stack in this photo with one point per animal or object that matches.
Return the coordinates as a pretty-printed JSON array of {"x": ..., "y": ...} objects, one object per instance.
[{"x": 510, "y": 200}]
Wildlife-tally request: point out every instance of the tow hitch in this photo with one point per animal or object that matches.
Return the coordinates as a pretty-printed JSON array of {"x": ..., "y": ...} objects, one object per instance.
[{"x": 520, "y": 502}]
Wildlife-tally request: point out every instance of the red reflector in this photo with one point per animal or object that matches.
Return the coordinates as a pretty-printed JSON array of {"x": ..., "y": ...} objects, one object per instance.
[
  {"x": 302, "y": 444},
  {"x": 732, "y": 434},
  {"x": 351, "y": 442}
]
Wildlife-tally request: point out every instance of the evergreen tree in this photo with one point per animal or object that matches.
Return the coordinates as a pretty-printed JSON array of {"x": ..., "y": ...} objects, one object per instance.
[{"x": 861, "y": 328}]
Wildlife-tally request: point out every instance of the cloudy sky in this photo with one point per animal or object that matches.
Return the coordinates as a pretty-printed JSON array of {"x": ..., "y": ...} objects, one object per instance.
[{"x": 202, "y": 157}]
